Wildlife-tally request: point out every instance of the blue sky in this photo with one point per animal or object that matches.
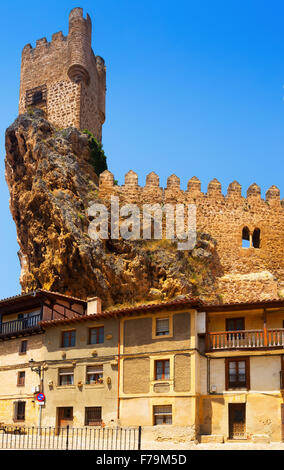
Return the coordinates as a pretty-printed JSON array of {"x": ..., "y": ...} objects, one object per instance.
[{"x": 194, "y": 88}]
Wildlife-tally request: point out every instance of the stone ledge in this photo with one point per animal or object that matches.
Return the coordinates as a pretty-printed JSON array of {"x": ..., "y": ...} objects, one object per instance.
[
  {"x": 212, "y": 438},
  {"x": 261, "y": 439}
]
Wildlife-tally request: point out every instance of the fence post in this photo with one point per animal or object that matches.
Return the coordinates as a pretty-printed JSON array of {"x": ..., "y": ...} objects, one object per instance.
[
  {"x": 139, "y": 437},
  {"x": 67, "y": 436}
]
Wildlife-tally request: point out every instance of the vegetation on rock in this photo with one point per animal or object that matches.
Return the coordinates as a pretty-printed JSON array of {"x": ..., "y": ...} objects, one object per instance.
[{"x": 98, "y": 158}]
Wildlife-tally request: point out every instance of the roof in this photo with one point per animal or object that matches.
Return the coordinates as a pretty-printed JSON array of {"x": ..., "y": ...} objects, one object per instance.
[
  {"x": 189, "y": 302},
  {"x": 270, "y": 303},
  {"x": 32, "y": 298}
]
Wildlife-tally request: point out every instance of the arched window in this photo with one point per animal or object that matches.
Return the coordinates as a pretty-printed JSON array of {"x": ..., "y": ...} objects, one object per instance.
[
  {"x": 256, "y": 238},
  {"x": 246, "y": 238}
]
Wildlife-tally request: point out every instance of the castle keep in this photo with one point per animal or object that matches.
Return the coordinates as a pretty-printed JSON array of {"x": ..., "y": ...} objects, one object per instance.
[{"x": 65, "y": 78}]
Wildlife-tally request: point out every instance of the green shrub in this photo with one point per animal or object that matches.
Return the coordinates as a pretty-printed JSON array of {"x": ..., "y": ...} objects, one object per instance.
[{"x": 98, "y": 158}]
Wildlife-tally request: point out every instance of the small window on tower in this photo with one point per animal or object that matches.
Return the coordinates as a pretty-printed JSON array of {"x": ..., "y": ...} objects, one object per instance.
[{"x": 37, "y": 97}]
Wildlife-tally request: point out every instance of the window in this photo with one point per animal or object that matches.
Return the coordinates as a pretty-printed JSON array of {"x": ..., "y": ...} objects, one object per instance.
[
  {"x": 234, "y": 324},
  {"x": 256, "y": 238},
  {"x": 250, "y": 240},
  {"x": 237, "y": 373},
  {"x": 162, "y": 414},
  {"x": 19, "y": 410},
  {"x": 162, "y": 370},
  {"x": 162, "y": 327},
  {"x": 93, "y": 416},
  {"x": 21, "y": 379},
  {"x": 95, "y": 375},
  {"x": 66, "y": 376},
  {"x": 37, "y": 97},
  {"x": 246, "y": 238},
  {"x": 23, "y": 347},
  {"x": 96, "y": 335},
  {"x": 68, "y": 339}
]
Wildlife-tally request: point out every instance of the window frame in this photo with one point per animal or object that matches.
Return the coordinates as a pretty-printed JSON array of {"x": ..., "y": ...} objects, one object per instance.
[
  {"x": 237, "y": 385},
  {"x": 96, "y": 423},
  {"x": 22, "y": 352},
  {"x": 97, "y": 328},
  {"x": 99, "y": 381},
  {"x": 21, "y": 380},
  {"x": 235, "y": 320},
  {"x": 168, "y": 317},
  {"x": 163, "y": 361},
  {"x": 63, "y": 333},
  {"x": 22, "y": 417},
  {"x": 164, "y": 415},
  {"x": 61, "y": 374}
]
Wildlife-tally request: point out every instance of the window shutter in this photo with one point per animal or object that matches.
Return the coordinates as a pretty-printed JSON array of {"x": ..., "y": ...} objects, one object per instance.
[
  {"x": 162, "y": 325},
  {"x": 95, "y": 370},
  {"x": 15, "y": 410}
]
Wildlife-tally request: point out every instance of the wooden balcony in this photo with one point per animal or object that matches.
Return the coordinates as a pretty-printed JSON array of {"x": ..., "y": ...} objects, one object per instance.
[
  {"x": 21, "y": 327},
  {"x": 245, "y": 339}
]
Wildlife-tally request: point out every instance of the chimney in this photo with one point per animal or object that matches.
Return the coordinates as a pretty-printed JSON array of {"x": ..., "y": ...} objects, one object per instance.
[{"x": 94, "y": 306}]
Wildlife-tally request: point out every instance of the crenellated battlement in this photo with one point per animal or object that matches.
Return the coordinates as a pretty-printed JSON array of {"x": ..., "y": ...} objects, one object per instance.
[
  {"x": 43, "y": 47},
  {"x": 192, "y": 193},
  {"x": 230, "y": 219},
  {"x": 72, "y": 75}
]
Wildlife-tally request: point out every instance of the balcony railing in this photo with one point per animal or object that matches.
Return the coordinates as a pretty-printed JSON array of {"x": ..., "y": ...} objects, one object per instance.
[
  {"x": 19, "y": 326},
  {"x": 246, "y": 339}
]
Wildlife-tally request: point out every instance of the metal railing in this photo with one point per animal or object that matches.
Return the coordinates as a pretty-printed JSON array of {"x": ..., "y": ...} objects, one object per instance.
[
  {"x": 248, "y": 339},
  {"x": 68, "y": 438},
  {"x": 17, "y": 326}
]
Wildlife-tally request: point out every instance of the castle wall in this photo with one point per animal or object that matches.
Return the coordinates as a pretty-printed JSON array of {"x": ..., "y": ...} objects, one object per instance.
[{"x": 247, "y": 273}]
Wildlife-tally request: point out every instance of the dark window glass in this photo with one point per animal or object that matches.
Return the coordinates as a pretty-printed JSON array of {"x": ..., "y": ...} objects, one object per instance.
[
  {"x": 96, "y": 335},
  {"x": 162, "y": 370},
  {"x": 68, "y": 339}
]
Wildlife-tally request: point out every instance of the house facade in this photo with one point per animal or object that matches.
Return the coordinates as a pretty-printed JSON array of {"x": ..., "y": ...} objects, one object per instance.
[{"x": 212, "y": 372}]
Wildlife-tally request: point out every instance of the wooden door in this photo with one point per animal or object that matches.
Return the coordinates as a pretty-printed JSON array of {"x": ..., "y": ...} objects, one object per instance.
[
  {"x": 65, "y": 417},
  {"x": 282, "y": 421},
  {"x": 237, "y": 421}
]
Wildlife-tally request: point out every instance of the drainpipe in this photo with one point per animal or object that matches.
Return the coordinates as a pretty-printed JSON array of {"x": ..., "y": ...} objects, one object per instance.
[
  {"x": 265, "y": 326},
  {"x": 118, "y": 370},
  {"x": 208, "y": 376}
]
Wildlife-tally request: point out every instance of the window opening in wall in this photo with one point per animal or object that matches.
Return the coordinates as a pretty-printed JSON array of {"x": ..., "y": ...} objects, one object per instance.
[
  {"x": 93, "y": 416},
  {"x": 256, "y": 238},
  {"x": 162, "y": 370},
  {"x": 21, "y": 378},
  {"x": 23, "y": 347},
  {"x": 246, "y": 238},
  {"x": 37, "y": 97},
  {"x": 162, "y": 327},
  {"x": 19, "y": 411},
  {"x": 95, "y": 375},
  {"x": 66, "y": 376},
  {"x": 163, "y": 414}
]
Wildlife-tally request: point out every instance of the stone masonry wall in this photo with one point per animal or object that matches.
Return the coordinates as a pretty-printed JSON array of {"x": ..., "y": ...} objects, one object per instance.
[
  {"x": 248, "y": 273},
  {"x": 75, "y": 79}
]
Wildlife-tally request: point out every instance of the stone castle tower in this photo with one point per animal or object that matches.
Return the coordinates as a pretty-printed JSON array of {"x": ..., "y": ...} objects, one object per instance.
[{"x": 65, "y": 78}]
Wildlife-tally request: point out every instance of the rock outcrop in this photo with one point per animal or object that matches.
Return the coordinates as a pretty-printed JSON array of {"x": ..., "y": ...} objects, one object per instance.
[{"x": 52, "y": 184}]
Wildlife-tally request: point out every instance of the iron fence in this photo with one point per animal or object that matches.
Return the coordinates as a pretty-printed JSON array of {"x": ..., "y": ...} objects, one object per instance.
[{"x": 68, "y": 438}]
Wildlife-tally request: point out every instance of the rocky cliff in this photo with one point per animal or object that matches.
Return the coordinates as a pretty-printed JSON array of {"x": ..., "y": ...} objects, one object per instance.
[{"x": 52, "y": 183}]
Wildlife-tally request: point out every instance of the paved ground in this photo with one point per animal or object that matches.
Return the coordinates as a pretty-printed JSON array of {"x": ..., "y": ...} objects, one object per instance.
[{"x": 165, "y": 445}]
